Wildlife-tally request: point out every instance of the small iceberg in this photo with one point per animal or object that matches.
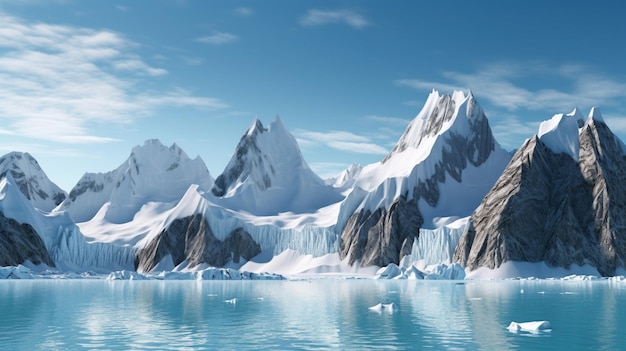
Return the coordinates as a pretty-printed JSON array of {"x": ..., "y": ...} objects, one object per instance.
[
  {"x": 532, "y": 327},
  {"x": 232, "y": 301},
  {"x": 383, "y": 307}
]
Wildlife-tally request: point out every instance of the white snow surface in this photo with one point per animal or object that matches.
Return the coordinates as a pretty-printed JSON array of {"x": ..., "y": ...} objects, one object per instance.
[
  {"x": 560, "y": 133},
  {"x": 152, "y": 172},
  {"x": 267, "y": 175},
  {"x": 31, "y": 180},
  {"x": 517, "y": 269},
  {"x": 532, "y": 327}
]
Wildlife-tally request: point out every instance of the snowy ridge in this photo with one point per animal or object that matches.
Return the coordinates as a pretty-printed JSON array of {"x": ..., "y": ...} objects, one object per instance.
[
  {"x": 446, "y": 152},
  {"x": 31, "y": 180},
  {"x": 153, "y": 172},
  {"x": 267, "y": 175}
]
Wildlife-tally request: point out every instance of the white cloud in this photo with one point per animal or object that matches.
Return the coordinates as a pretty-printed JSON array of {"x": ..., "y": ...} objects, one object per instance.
[
  {"x": 218, "y": 38},
  {"x": 139, "y": 66},
  {"x": 348, "y": 17},
  {"x": 340, "y": 140},
  {"x": 244, "y": 11},
  {"x": 501, "y": 85},
  {"x": 389, "y": 120},
  {"x": 62, "y": 82}
]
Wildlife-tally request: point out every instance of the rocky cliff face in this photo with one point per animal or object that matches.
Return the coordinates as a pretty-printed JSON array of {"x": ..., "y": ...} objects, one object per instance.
[
  {"x": 191, "y": 239},
  {"x": 548, "y": 207},
  {"x": 20, "y": 242},
  {"x": 448, "y": 137}
]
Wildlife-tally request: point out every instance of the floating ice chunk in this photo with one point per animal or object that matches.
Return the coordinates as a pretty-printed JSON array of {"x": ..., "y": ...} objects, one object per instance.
[
  {"x": 231, "y": 301},
  {"x": 383, "y": 307},
  {"x": 19, "y": 272},
  {"x": 533, "y": 327},
  {"x": 127, "y": 275}
]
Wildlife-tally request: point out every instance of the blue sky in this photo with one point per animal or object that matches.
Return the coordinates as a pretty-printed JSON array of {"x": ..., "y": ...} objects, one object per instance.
[{"x": 82, "y": 82}]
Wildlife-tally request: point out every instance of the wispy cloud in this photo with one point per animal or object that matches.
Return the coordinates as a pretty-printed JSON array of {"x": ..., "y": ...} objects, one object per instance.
[
  {"x": 388, "y": 120},
  {"x": 244, "y": 11},
  {"x": 340, "y": 140},
  {"x": 218, "y": 38},
  {"x": 348, "y": 17},
  {"x": 501, "y": 84},
  {"x": 62, "y": 82}
]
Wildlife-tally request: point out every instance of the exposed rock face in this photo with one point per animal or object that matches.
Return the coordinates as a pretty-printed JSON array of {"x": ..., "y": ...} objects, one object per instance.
[
  {"x": 31, "y": 180},
  {"x": 548, "y": 207},
  {"x": 20, "y": 242},
  {"x": 191, "y": 239},
  {"x": 450, "y": 134},
  {"x": 378, "y": 238}
]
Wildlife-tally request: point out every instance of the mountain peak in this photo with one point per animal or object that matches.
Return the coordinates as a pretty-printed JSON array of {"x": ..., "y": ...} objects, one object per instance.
[
  {"x": 152, "y": 171},
  {"x": 595, "y": 114},
  {"x": 267, "y": 163},
  {"x": 454, "y": 112},
  {"x": 560, "y": 133},
  {"x": 31, "y": 180}
]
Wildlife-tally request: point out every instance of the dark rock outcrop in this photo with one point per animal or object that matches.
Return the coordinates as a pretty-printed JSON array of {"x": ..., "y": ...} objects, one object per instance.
[
  {"x": 377, "y": 238},
  {"x": 20, "y": 242},
  {"x": 191, "y": 239},
  {"x": 548, "y": 207}
]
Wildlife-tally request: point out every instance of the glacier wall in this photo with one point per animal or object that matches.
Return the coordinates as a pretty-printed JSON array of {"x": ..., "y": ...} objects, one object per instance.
[
  {"x": 434, "y": 246},
  {"x": 70, "y": 251},
  {"x": 307, "y": 240}
]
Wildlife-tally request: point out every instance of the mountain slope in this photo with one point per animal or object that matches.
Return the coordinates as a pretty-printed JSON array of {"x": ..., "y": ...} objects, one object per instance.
[
  {"x": 267, "y": 175},
  {"x": 152, "y": 172},
  {"x": 560, "y": 200},
  {"x": 447, "y": 152},
  {"x": 31, "y": 180}
]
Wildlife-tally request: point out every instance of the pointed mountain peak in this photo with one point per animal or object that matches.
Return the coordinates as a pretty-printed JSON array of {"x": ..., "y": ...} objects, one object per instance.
[
  {"x": 267, "y": 174},
  {"x": 442, "y": 115},
  {"x": 595, "y": 114},
  {"x": 277, "y": 125},
  {"x": 31, "y": 180},
  {"x": 560, "y": 133},
  {"x": 255, "y": 128}
]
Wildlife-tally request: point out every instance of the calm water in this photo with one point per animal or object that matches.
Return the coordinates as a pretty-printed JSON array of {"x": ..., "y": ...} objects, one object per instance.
[{"x": 328, "y": 314}]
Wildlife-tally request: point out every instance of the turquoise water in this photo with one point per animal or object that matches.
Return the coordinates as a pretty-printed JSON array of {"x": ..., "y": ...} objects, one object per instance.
[{"x": 317, "y": 314}]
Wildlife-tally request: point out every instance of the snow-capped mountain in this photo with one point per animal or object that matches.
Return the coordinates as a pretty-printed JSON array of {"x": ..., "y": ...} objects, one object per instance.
[
  {"x": 442, "y": 166},
  {"x": 152, "y": 172},
  {"x": 31, "y": 180},
  {"x": 561, "y": 201},
  {"x": 345, "y": 179},
  {"x": 267, "y": 175}
]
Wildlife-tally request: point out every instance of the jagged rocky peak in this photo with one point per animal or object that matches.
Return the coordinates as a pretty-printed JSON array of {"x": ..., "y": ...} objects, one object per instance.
[
  {"x": 456, "y": 113},
  {"x": 447, "y": 151},
  {"x": 551, "y": 206},
  {"x": 152, "y": 172},
  {"x": 258, "y": 157},
  {"x": 31, "y": 180},
  {"x": 267, "y": 175}
]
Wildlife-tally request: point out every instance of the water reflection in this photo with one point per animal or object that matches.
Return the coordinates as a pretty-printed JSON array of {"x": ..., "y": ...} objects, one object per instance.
[{"x": 331, "y": 314}]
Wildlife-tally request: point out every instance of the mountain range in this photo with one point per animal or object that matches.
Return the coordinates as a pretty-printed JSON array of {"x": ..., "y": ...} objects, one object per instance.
[{"x": 446, "y": 193}]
